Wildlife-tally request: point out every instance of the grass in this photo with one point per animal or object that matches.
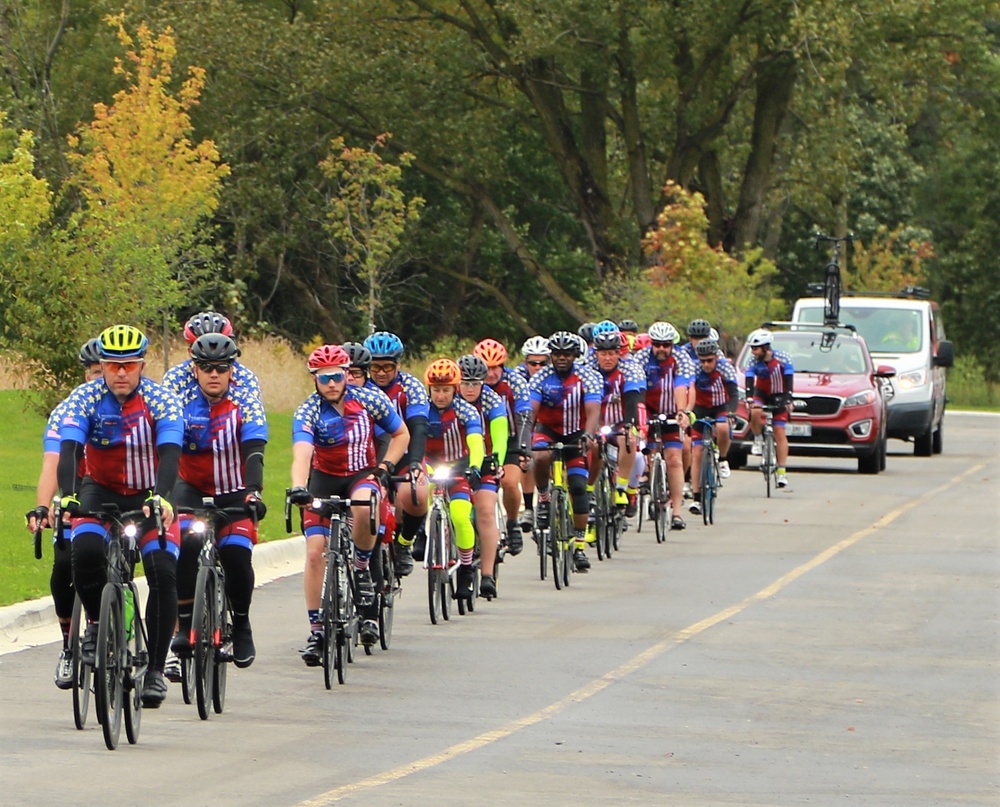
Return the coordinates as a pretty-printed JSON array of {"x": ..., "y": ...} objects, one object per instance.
[{"x": 24, "y": 578}]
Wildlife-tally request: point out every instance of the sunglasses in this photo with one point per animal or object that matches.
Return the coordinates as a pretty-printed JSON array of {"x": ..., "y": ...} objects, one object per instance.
[
  {"x": 219, "y": 367},
  {"x": 382, "y": 368},
  {"x": 471, "y": 383},
  {"x": 356, "y": 372},
  {"x": 127, "y": 366},
  {"x": 708, "y": 360},
  {"x": 663, "y": 344},
  {"x": 537, "y": 363},
  {"x": 336, "y": 377}
]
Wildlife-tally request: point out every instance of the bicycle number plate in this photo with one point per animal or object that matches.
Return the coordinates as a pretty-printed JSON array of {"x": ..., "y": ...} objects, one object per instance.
[{"x": 799, "y": 429}]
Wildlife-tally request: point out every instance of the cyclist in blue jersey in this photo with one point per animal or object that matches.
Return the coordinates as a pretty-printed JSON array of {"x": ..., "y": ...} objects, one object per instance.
[
  {"x": 181, "y": 376},
  {"x": 769, "y": 379},
  {"x": 715, "y": 397},
  {"x": 536, "y": 356},
  {"x": 129, "y": 430}
]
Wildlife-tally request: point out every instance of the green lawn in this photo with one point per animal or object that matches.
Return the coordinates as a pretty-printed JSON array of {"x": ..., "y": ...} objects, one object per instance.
[{"x": 21, "y": 576}]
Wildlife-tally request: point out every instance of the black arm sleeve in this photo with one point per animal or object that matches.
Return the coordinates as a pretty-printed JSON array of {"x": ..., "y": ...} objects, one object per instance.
[
  {"x": 733, "y": 401},
  {"x": 253, "y": 465},
  {"x": 382, "y": 446},
  {"x": 632, "y": 406},
  {"x": 70, "y": 453},
  {"x": 166, "y": 472},
  {"x": 418, "y": 438},
  {"x": 789, "y": 379},
  {"x": 524, "y": 422}
]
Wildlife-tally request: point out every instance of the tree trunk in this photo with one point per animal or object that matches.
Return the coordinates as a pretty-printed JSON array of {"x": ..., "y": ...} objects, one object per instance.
[{"x": 711, "y": 178}]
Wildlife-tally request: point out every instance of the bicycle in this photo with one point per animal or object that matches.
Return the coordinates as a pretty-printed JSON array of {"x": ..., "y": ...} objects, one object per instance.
[
  {"x": 832, "y": 281},
  {"x": 441, "y": 555},
  {"x": 709, "y": 479},
  {"x": 121, "y": 658},
  {"x": 554, "y": 541},
  {"x": 769, "y": 451},
  {"x": 609, "y": 518},
  {"x": 659, "y": 498},
  {"x": 211, "y": 635},
  {"x": 389, "y": 586},
  {"x": 339, "y": 598}
]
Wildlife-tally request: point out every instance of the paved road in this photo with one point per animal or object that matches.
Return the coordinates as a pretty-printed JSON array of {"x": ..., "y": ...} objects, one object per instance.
[{"x": 836, "y": 644}]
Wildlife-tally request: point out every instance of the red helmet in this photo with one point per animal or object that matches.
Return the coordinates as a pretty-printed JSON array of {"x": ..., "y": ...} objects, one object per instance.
[
  {"x": 442, "y": 372},
  {"x": 491, "y": 351},
  {"x": 642, "y": 340},
  {"x": 206, "y": 322},
  {"x": 328, "y": 356},
  {"x": 624, "y": 349}
]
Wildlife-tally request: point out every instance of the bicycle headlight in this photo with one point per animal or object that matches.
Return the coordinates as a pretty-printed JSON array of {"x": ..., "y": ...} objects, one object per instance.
[
  {"x": 605, "y": 430},
  {"x": 130, "y": 531},
  {"x": 441, "y": 473},
  {"x": 198, "y": 527}
]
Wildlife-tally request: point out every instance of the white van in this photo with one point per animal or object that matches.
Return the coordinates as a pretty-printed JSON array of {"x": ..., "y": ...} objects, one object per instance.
[{"x": 906, "y": 331}]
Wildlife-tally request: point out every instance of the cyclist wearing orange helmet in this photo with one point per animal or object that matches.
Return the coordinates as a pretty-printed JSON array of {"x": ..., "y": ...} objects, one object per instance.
[
  {"x": 513, "y": 389},
  {"x": 455, "y": 438}
]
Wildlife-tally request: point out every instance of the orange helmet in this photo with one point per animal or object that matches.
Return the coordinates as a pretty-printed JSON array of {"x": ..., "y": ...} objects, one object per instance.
[
  {"x": 491, "y": 351},
  {"x": 442, "y": 372}
]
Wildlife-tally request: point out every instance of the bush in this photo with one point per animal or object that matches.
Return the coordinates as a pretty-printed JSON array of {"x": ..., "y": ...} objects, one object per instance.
[{"x": 968, "y": 387}]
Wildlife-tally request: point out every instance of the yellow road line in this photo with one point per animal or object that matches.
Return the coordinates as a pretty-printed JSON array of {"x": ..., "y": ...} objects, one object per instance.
[{"x": 599, "y": 684}]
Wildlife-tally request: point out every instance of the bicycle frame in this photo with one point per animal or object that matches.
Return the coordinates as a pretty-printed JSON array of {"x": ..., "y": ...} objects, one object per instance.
[
  {"x": 659, "y": 496},
  {"x": 709, "y": 479},
  {"x": 441, "y": 554}
]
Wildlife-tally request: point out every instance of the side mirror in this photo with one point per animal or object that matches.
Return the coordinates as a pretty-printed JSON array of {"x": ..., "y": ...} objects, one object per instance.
[
  {"x": 885, "y": 371},
  {"x": 945, "y": 356}
]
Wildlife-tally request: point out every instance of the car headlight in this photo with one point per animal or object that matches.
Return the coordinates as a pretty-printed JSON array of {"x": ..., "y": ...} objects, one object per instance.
[
  {"x": 917, "y": 378},
  {"x": 860, "y": 398}
]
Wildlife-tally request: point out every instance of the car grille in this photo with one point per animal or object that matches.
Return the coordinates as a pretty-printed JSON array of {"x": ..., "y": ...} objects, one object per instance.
[{"x": 817, "y": 405}]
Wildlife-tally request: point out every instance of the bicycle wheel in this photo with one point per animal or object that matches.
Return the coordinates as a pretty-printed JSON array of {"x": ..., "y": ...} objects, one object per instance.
[
  {"x": 82, "y": 673},
  {"x": 542, "y": 545},
  {"x": 329, "y": 606},
  {"x": 601, "y": 514},
  {"x": 708, "y": 483},
  {"x": 557, "y": 538},
  {"x": 224, "y": 645},
  {"x": 769, "y": 462},
  {"x": 110, "y": 664},
  {"x": 435, "y": 568},
  {"x": 187, "y": 677},
  {"x": 136, "y": 663},
  {"x": 203, "y": 647},
  {"x": 388, "y": 599},
  {"x": 658, "y": 496},
  {"x": 831, "y": 294}
]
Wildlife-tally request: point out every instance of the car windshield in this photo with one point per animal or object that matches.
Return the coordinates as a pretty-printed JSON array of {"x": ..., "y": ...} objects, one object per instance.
[
  {"x": 886, "y": 330},
  {"x": 811, "y": 355}
]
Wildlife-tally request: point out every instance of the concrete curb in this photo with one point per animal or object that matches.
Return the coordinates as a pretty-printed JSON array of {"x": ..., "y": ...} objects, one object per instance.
[{"x": 33, "y": 623}]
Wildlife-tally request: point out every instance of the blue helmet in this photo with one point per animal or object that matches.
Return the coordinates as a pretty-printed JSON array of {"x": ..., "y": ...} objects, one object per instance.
[
  {"x": 605, "y": 326},
  {"x": 384, "y": 345}
]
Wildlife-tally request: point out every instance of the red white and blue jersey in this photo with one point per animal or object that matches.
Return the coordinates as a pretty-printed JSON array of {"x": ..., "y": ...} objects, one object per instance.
[
  {"x": 211, "y": 456},
  {"x": 121, "y": 439},
  {"x": 562, "y": 400},
  {"x": 180, "y": 378},
  {"x": 513, "y": 390},
  {"x": 663, "y": 379},
  {"x": 344, "y": 444},
  {"x": 710, "y": 388},
  {"x": 625, "y": 377},
  {"x": 490, "y": 407},
  {"x": 522, "y": 370},
  {"x": 768, "y": 377},
  {"x": 408, "y": 396},
  {"x": 447, "y": 428},
  {"x": 51, "y": 438}
]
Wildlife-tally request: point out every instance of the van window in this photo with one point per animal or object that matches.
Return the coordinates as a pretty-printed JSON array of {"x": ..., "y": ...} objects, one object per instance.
[{"x": 886, "y": 330}]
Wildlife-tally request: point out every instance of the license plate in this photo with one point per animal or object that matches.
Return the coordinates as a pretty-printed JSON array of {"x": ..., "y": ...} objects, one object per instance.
[{"x": 799, "y": 429}]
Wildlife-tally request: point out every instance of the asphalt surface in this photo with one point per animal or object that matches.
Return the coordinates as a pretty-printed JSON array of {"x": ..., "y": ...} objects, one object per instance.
[{"x": 837, "y": 643}]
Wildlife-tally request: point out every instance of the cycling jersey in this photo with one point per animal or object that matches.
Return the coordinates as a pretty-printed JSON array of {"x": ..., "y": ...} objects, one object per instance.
[
  {"x": 561, "y": 400},
  {"x": 513, "y": 389},
  {"x": 717, "y": 388},
  {"x": 491, "y": 408},
  {"x": 121, "y": 438},
  {"x": 180, "y": 377},
  {"x": 447, "y": 430},
  {"x": 408, "y": 395},
  {"x": 623, "y": 380},
  {"x": 772, "y": 377},
  {"x": 522, "y": 370},
  {"x": 344, "y": 444},
  {"x": 211, "y": 459},
  {"x": 664, "y": 378}
]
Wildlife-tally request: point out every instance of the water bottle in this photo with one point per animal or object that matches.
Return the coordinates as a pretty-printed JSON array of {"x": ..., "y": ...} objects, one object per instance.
[{"x": 129, "y": 613}]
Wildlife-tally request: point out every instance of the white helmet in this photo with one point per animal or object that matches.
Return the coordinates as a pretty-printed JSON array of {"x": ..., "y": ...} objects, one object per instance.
[
  {"x": 760, "y": 337},
  {"x": 584, "y": 347},
  {"x": 536, "y": 345},
  {"x": 663, "y": 332},
  {"x": 713, "y": 335}
]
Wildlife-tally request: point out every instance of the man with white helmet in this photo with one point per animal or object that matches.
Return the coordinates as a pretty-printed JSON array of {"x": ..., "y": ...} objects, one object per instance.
[
  {"x": 769, "y": 376},
  {"x": 536, "y": 357}
]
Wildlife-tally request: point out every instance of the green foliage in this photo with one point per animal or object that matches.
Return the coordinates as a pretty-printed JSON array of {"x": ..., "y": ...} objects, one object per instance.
[{"x": 969, "y": 387}]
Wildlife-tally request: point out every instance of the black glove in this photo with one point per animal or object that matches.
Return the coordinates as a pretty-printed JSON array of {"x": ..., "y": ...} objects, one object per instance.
[
  {"x": 255, "y": 506},
  {"x": 300, "y": 495},
  {"x": 475, "y": 477},
  {"x": 71, "y": 505},
  {"x": 40, "y": 514}
]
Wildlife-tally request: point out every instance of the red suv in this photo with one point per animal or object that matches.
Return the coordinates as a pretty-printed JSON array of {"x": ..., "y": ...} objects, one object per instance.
[{"x": 839, "y": 398}]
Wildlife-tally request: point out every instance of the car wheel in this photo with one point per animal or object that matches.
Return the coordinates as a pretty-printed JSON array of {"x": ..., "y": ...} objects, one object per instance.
[
  {"x": 883, "y": 452},
  {"x": 871, "y": 463},
  {"x": 937, "y": 441},
  {"x": 923, "y": 445}
]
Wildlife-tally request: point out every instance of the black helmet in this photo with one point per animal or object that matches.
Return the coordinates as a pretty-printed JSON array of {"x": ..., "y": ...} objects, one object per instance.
[
  {"x": 699, "y": 328},
  {"x": 629, "y": 325},
  {"x": 707, "y": 347},
  {"x": 609, "y": 340},
  {"x": 586, "y": 331},
  {"x": 214, "y": 347},
  {"x": 473, "y": 368},
  {"x": 564, "y": 342},
  {"x": 90, "y": 353},
  {"x": 360, "y": 355}
]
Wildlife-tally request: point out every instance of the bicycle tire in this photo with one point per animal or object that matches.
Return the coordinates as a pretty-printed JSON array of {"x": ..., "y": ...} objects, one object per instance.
[
  {"x": 434, "y": 567},
  {"x": 222, "y": 656},
  {"x": 557, "y": 538},
  {"x": 387, "y": 601},
  {"x": 641, "y": 502},
  {"x": 135, "y": 666},
  {"x": 658, "y": 496},
  {"x": 542, "y": 545},
  {"x": 187, "y": 677},
  {"x": 831, "y": 294},
  {"x": 769, "y": 462},
  {"x": 203, "y": 647},
  {"x": 610, "y": 531},
  {"x": 568, "y": 542},
  {"x": 601, "y": 518},
  {"x": 706, "y": 481},
  {"x": 109, "y": 664},
  {"x": 82, "y": 673},
  {"x": 341, "y": 656}
]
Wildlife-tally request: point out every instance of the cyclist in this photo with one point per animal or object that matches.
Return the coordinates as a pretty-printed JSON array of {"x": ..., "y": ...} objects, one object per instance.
[
  {"x": 61, "y": 579},
  {"x": 225, "y": 432},
  {"x": 769, "y": 379},
  {"x": 333, "y": 454},
  {"x": 493, "y": 413},
  {"x": 630, "y": 329},
  {"x": 536, "y": 356},
  {"x": 409, "y": 398},
  {"x": 586, "y": 333},
  {"x": 513, "y": 390},
  {"x": 181, "y": 376},
  {"x": 623, "y": 383},
  {"x": 455, "y": 437},
  {"x": 129, "y": 429},
  {"x": 566, "y": 403},
  {"x": 715, "y": 397},
  {"x": 668, "y": 377}
]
